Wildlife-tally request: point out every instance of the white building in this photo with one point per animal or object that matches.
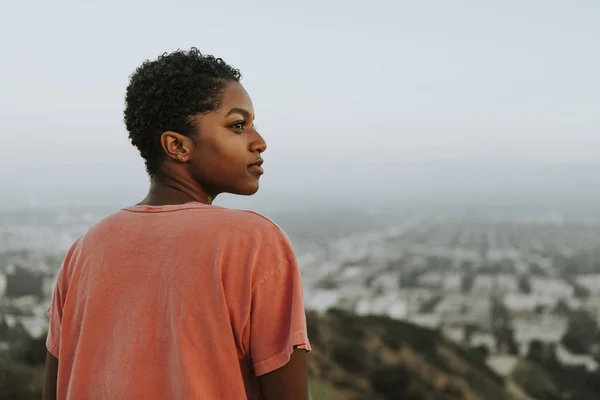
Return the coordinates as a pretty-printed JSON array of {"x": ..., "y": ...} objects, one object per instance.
[
  {"x": 591, "y": 282},
  {"x": 592, "y": 305},
  {"x": 3, "y": 284},
  {"x": 551, "y": 287},
  {"x": 398, "y": 309},
  {"x": 453, "y": 282},
  {"x": 35, "y": 326},
  {"x": 495, "y": 283},
  {"x": 430, "y": 321},
  {"x": 545, "y": 328},
  {"x": 415, "y": 298},
  {"x": 565, "y": 357},
  {"x": 459, "y": 309},
  {"x": 431, "y": 280},
  {"x": 518, "y": 303},
  {"x": 25, "y": 303},
  {"x": 456, "y": 334},
  {"x": 387, "y": 281}
]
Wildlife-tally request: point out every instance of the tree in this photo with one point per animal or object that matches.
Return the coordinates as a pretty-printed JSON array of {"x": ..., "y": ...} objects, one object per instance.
[
  {"x": 467, "y": 282},
  {"x": 540, "y": 309},
  {"x": 582, "y": 333},
  {"x": 482, "y": 352},
  {"x": 23, "y": 283},
  {"x": 28, "y": 350},
  {"x": 536, "y": 352},
  {"x": 580, "y": 291},
  {"x": 524, "y": 285},
  {"x": 562, "y": 308}
]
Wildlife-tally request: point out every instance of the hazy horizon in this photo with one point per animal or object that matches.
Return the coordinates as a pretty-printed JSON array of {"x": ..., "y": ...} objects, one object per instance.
[{"x": 456, "y": 185}]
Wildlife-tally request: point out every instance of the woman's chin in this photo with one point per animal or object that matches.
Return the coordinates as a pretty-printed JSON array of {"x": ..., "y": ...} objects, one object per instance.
[{"x": 247, "y": 190}]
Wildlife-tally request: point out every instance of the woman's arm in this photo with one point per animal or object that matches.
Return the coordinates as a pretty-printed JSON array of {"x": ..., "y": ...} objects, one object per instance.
[
  {"x": 50, "y": 379},
  {"x": 278, "y": 341},
  {"x": 288, "y": 382}
]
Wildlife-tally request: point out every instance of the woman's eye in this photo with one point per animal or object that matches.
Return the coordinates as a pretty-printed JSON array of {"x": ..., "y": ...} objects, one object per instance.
[{"x": 238, "y": 126}]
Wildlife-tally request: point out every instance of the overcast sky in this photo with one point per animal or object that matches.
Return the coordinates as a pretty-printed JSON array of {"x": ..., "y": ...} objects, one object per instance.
[{"x": 346, "y": 93}]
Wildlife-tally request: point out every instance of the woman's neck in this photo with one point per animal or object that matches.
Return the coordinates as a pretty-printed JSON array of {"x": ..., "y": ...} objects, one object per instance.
[{"x": 165, "y": 190}]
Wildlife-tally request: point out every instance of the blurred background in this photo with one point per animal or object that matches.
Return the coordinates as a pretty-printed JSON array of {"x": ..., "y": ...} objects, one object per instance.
[{"x": 435, "y": 163}]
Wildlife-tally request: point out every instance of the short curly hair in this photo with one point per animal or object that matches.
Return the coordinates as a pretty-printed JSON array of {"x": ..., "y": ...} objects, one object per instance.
[{"x": 164, "y": 94}]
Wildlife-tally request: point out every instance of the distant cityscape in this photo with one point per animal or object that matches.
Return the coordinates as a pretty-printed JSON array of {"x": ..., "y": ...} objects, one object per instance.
[
  {"x": 504, "y": 286},
  {"x": 489, "y": 283}
]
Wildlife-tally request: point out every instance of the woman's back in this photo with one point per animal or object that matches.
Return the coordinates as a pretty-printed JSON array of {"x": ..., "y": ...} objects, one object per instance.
[{"x": 176, "y": 301}]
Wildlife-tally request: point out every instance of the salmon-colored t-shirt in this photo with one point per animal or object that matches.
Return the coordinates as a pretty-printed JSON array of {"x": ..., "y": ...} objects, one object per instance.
[{"x": 175, "y": 302}]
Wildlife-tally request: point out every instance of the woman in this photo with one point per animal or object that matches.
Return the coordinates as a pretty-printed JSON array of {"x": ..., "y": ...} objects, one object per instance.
[{"x": 175, "y": 298}]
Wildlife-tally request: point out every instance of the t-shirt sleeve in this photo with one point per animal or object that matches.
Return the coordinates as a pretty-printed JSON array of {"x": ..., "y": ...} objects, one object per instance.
[
  {"x": 277, "y": 316},
  {"x": 55, "y": 310}
]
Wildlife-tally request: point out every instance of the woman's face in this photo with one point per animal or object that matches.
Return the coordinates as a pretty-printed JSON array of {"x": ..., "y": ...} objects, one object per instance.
[{"x": 226, "y": 154}]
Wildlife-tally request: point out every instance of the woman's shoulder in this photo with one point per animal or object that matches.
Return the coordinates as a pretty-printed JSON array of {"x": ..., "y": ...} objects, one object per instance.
[
  {"x": 252, "y": 221},
  {"x": 253, "y": 218}
]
